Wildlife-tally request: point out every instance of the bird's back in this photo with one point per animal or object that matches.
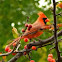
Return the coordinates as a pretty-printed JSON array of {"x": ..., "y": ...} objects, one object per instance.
[{"x": 34, "y": 31}]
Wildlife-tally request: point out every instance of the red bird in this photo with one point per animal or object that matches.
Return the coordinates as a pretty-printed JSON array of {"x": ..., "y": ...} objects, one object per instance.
[{"x": 36, "y": 29}]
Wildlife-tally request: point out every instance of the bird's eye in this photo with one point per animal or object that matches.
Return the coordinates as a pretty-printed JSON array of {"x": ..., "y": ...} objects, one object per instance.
[{"x": 44, "y": 20}]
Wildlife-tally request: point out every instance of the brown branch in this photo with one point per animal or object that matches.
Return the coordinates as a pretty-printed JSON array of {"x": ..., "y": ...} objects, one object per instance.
[
  {"x": 37, "y": 43},
  {"x": 55, "y": 30},
  {"x": 18, "y": 55}
]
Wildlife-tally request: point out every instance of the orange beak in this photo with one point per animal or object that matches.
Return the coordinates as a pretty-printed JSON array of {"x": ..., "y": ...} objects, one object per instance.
[{"x": 47, "y": 20}]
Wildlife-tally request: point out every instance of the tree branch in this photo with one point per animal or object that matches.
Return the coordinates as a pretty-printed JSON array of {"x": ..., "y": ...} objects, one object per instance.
[
  {"x": 37, "y": 43},
  {"x": 55, "y": 30}
]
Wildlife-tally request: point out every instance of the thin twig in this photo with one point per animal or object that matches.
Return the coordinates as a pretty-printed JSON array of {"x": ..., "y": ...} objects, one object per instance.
[
  {"x": 6, "y": 54},
  {"x": 52, "y": 48},
  {"x": 59, "y": 14}
]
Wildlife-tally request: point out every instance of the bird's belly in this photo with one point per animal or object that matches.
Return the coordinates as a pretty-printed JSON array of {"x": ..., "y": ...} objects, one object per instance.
[{"x": 33, "y": 35}]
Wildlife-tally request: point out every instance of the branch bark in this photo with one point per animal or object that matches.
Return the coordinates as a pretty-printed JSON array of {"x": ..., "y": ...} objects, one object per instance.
[
  {"x": 37, "y": 43},
  {"x": 55, "y": 30}
]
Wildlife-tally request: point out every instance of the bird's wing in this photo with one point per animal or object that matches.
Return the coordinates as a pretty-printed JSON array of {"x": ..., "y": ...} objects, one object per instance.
[{"x": 33, "y": 30}]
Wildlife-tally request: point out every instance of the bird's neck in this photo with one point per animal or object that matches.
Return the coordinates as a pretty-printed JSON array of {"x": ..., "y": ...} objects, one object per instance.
[{"x": 39, "y": 21}]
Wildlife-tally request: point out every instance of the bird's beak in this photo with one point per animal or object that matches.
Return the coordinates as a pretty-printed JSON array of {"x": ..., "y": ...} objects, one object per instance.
[{"x": 47, "y": 20}]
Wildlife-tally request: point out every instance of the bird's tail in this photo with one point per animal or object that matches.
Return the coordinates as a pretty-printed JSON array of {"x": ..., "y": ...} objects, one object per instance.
[{"x": 15, "y": 41}]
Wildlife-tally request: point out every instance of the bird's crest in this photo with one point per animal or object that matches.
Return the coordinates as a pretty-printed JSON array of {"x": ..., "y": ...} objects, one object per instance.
[
  {"x": 42, "y": 17},
  {"x": 41, "y": 14}
]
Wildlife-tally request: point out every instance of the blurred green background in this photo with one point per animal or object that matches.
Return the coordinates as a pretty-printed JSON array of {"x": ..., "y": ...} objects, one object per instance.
[{"x": 14, "y": 13}]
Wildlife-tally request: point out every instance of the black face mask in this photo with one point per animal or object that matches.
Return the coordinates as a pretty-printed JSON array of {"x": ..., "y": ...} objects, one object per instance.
[{"x": 44, "y": 20}]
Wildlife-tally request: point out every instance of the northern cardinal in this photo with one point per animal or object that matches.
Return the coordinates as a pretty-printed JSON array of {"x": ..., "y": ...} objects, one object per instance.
[{"x": 36, "y": 29}]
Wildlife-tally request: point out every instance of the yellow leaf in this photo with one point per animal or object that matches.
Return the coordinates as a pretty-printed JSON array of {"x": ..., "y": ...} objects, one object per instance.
[{"x": 15, "y": 32}]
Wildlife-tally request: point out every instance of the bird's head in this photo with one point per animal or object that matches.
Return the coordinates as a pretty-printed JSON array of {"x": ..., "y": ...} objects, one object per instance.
[{"x": 43, "y": 17}]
